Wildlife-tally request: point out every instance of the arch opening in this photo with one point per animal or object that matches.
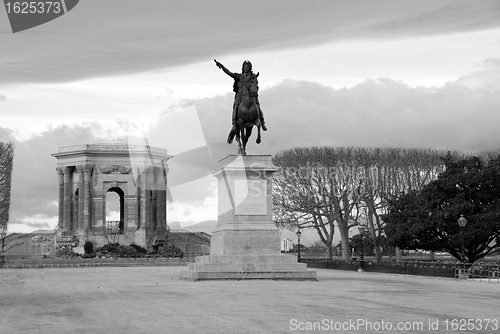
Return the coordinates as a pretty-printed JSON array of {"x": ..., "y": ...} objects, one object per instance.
[{"x": 115, "y": 222}]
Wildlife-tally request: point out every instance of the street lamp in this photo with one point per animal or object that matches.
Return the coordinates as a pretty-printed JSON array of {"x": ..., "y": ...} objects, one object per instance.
[
  {"x": 462, "y": 222},
  {"x": 361, "y": 266},
  {"x": 3, "y": 233},
  {"x": 298, "y": 246}
]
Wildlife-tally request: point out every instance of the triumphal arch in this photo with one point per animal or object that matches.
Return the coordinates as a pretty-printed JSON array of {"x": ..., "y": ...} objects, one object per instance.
[{"x": 136, "y": 173}]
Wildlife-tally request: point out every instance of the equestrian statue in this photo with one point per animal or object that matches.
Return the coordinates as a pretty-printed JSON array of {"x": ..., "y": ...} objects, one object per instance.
[{"x": 246, "y": 106}]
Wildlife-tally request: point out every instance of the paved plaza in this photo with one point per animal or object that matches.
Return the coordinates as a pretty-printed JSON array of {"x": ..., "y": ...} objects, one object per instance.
[{"x": 155, "y": 300}]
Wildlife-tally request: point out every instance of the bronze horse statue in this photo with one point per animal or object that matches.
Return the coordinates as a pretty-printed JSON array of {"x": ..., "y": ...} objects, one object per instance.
[{"x": 247, "y": 116}]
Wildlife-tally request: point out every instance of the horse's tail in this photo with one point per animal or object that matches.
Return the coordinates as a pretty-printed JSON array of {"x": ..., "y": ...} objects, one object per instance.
[{"x": 231, "y": 136}]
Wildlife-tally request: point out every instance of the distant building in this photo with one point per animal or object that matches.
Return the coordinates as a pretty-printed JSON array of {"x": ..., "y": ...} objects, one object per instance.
[{"x": 286, "y": 245}]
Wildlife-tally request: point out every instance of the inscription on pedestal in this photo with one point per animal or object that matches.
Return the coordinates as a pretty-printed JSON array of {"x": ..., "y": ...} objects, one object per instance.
[{"x": 250, "y": 197}]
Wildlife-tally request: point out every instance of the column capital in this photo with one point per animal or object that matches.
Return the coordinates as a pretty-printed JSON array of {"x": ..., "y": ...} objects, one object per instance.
[
  {"x": 88, "y": 168},
  {"x": 67, "y": 170},
  {"x": 84, "y": 168}
]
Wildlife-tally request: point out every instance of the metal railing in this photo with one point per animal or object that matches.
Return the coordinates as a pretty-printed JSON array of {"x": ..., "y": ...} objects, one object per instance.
[
  {"x": 478, "y": 271},
  {"x": 40, "y": 261}
]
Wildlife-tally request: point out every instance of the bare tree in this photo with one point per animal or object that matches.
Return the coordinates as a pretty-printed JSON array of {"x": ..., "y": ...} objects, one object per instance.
[
  {"x": 6, "y": 160},
  {"x": 324, "y": 188},
  {"x": 314, "y": 189}
]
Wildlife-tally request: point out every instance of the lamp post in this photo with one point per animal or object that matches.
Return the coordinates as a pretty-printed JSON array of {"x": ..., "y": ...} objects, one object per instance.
[
  {"x": 3, "y": 233},
  {"x": 462, "y": 222},
  {"x": 298, "y": 245},
  {"x": 361, "y": 266}
]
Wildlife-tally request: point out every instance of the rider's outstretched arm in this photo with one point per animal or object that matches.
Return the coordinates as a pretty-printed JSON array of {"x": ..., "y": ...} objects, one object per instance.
[{"x": 222, "y": 67}]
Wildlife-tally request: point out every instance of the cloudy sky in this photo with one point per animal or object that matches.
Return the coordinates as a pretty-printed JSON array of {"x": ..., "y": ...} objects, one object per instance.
[{"x": 394, "y": 73}]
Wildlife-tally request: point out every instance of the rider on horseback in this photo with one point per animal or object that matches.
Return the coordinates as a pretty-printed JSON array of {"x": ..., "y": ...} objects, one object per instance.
[{"x": 246, "y": 71}]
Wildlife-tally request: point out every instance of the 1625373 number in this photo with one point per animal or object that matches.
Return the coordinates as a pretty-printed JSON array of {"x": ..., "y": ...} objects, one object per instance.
[
  {"x": 471, "y": 324},
  {"x": 33, "y": 7}
]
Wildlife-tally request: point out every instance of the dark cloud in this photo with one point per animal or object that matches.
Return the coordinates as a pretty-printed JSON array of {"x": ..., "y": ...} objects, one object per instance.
[{"x": 128, "y": 37}]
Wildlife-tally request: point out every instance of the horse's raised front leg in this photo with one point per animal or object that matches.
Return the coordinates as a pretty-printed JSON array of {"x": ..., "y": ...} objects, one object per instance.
[{"x": 258, "y": 135}]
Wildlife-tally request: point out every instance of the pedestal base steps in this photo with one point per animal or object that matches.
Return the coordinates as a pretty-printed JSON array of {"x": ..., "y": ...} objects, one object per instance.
[{"x": 243, "y": 267}]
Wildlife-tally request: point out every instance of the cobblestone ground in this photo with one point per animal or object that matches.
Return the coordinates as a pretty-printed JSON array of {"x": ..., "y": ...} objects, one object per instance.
[{"x": 154, "y": 300}]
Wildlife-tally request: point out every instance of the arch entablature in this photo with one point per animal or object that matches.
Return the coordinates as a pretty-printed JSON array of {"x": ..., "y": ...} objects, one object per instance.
[{"x": 121, "y": 185}]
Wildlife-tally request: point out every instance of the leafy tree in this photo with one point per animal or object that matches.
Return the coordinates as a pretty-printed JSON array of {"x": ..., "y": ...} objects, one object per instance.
[
  {"x": 428, "y": 218},
  {"x": 368, "y": 245}
]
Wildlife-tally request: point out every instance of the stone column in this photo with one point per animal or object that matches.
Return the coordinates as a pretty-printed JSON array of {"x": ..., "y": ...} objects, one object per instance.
[
  {"x": 98, "y": 202},
  {"x": 153, "y": 193},
  {"x": 131, "y": 212},
  {"x": 143, "y": 202},
  {"x": 60, "y": 221},
  {"x": 145, "y": 199},
  {"x": 87, "y": 197},
  {"x": 80, "y": 225},
  {"x": 161, "y": 210},
  {"x": 68, "y": 190},
  {"x": 161, "y": 200},
  {"x": 74, "y": 211},
  {"x": 142, "y": 182},
  {"x": 164, "y": 195},
  {"x": 122, "y": 221}
]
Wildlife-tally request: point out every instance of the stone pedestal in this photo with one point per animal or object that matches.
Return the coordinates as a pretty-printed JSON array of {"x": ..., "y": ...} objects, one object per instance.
[{"x": 246, "y": 242}]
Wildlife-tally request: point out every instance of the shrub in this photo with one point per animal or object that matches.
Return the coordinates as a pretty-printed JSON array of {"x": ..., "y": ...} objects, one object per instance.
[
  {"x": 66, "y": 253},
  {"x": 122, "y": 251},
  {"x": 134, "y": 250},
  {"x": 89, "y": 255},
  {"x": 108, "y": 249},
  {"x": 139, "y": 249},
  {"x": 168, "y": 251},
  {"x": 425, "y": 268},
  {"x": 88, "y": 247}
]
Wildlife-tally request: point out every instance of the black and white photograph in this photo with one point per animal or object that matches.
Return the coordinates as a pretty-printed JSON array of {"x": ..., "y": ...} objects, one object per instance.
[{"x": 250, "y": 167}]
